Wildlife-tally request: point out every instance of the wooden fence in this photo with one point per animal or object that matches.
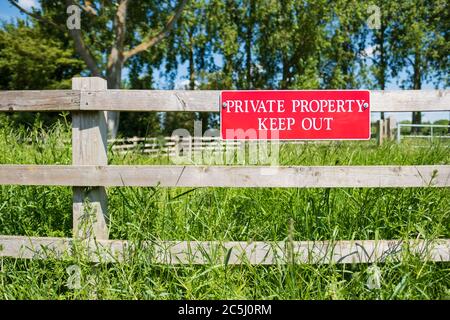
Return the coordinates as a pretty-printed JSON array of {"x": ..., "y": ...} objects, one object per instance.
[
  {"x": 177, "y": 145},
  {"x": 90, "y": 173},
  {"x": 385, "y": 129},
  {"x": 172, "y": 146}
]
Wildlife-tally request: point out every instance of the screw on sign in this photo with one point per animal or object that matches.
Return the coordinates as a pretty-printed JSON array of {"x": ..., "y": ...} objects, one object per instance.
[{"x": 295, "y": 115}]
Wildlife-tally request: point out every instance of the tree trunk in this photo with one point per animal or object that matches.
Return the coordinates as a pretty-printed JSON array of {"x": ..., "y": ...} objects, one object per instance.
[
  {"x": 284, "y": 84},
  {"x": 114, "y": 78},
  {"x": 116, "y": 60},
  {"x": 417, "y": 85},
  {"x": 202, "y": 116},
  {"x": 383, "y": 62},
  {"x": 191, "y": 64},
  {"x": 248, "y": 45}
]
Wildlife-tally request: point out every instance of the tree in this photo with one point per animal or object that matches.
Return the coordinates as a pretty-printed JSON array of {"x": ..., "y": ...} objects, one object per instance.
[
  {"x": 269, "y": 44},
  {"x": 112, "y": 32},
  {"x": 343, "y": 44},
  {"x": 140, "y": 124},
  {"x": 420, "y": 44},
  {"x": 192, "y": 45},
  {"x": 30, "y": 60},
  {"x": 378, "y": 44}
]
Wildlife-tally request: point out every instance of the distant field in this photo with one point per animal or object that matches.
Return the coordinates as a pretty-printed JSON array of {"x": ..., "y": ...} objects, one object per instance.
[{"x": 230, "y": 214}]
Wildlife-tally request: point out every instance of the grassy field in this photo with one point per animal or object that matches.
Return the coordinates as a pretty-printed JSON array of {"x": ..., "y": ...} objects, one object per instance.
[{"x": 229, "y": 214}]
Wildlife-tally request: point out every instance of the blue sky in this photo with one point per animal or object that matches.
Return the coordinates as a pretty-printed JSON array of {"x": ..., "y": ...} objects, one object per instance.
[{"x": 9, "y": 12}]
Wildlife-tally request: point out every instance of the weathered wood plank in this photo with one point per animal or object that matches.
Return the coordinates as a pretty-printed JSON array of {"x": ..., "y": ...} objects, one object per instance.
[
  {"x": 410, "y": 100},
  {"x": 208, "y": 100},
  {"x": 216, "y": 252},
  {"x": 151, "y": 100},
  {"x": 44, "y": 100},
  {"x": 89, "y": 147},
  {"x": 227, "y": 176},
  {"x": 199, "y": 100}
]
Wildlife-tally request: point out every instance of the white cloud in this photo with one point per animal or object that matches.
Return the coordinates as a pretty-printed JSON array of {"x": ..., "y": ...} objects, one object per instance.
[
  {"x": 184, "y": 84},
  {"x": 28, "y": 4},
  {"x": 181, "y": 84},
  {"x": 369, "y": 51}
]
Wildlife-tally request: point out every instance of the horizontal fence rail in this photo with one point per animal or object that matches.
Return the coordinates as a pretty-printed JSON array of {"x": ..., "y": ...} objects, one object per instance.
[
  {"x": 195, "y": 101},
  {"x": 230, "y": 252},
  {"x": 90, "y": 174},
  {"x": 45, "y": 100},
  {"x": 227, "y": 176}
]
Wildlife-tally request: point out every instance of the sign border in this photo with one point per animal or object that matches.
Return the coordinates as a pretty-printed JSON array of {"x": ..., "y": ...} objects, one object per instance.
[{"x": 318, "y": 139}]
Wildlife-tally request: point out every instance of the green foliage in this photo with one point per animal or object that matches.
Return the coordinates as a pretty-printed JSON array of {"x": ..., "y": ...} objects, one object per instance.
[
  {"x": 226, "y": 214},
  {"x": 420, "y": 43},
  {"x": 233, "y": 44},
  {"x": 140, "y": 124},
  {"x": 237, "y": 44},
  {"x": 442, "y": 131},
  {"x": 30, "y": 60},
  {"x": 144, "y": 19}
]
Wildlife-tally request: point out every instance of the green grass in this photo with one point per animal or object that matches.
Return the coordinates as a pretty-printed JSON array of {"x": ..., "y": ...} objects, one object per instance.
[{"x": 229, "y": 214}]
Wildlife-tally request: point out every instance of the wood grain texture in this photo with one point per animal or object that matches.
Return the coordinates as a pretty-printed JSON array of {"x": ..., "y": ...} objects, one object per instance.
[
  {"x": 227, "y": 176},
  {"x": 185, "y": 100},
  {"x": 89, "y": 147},
  {"x": 151, "y": 100},
  {"x": 44, "y": 100},
  {"x": 216, "y": 252},
  {"x": 208, "y": 100},
  {"x": 410, "y": 100}
]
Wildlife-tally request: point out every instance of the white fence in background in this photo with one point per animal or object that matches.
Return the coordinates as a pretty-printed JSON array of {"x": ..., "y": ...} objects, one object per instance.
[
  {"x": 431, "y": 136},
  {"x": 157, "y": 146}
]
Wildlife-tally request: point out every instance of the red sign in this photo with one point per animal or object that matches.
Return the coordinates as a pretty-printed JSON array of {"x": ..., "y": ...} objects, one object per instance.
[{"x": 295, "y": 115}]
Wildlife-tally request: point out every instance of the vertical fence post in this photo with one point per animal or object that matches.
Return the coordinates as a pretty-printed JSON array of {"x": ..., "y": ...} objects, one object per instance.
[
  {"x": 388, "y": 129},
  {"x": 89, "y": 147},
  {"x": 399, "y": 132},
  {"x": 380, "y": 132},
  {"x": 135, "y": 143}
]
